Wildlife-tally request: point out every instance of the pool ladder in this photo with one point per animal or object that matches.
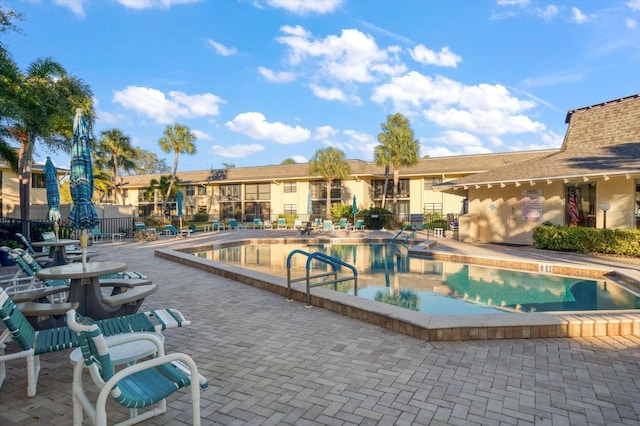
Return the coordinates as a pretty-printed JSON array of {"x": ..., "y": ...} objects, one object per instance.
[
  {"x": 327, "y": 277},
  {"x": 404, "y": 228}
]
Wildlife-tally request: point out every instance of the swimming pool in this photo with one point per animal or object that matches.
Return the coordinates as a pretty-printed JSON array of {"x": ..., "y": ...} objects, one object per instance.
[{"x": 387, "y": 274}]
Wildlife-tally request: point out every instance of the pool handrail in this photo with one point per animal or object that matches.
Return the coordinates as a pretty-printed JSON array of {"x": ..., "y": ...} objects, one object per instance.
[{"x": 321, "y": 257}]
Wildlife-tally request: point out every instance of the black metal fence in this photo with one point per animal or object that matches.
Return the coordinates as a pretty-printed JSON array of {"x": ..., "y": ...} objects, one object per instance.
[{"x": 10, "y": 226}]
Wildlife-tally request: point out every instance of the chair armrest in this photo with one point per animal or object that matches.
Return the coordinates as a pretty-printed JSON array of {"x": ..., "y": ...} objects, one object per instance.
[
  {"x": 130, "y": 296},
  {"x": 37, "y": 294}
]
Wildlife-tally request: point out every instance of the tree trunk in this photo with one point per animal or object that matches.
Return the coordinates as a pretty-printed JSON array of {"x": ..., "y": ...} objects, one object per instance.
[
  {"x": 24, "y": 179},
  {"x": 396, "y": 179},
  {"x": 328, "y": 206},
  {"x": 386, "y": 185}
]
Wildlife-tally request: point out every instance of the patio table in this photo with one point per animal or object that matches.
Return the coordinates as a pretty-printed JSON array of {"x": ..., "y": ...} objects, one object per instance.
[
  {"x": 57, "y": 250},
  {"x": 86, "y": 290}
]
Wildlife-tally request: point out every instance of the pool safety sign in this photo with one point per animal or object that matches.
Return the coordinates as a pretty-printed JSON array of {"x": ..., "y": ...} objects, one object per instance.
[{"x": 532, "y": 204}]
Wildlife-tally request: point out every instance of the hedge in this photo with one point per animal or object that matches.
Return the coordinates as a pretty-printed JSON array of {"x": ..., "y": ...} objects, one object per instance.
[{"x": 625, "y": 242}]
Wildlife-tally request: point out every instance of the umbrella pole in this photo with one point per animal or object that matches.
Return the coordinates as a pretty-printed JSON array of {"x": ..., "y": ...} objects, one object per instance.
[{"x": 84, "y": 240}]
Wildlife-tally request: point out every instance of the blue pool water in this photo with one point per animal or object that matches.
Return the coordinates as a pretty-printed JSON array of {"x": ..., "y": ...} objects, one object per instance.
[{"x": 387, "y": 274}]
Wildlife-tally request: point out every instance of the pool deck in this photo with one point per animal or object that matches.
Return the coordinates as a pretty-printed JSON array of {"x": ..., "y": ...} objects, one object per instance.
[{"x": 272, "y": 362}]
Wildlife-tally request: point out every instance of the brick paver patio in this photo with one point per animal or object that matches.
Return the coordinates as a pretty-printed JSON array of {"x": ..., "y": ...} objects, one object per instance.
[{"x": 273, "y": 362}]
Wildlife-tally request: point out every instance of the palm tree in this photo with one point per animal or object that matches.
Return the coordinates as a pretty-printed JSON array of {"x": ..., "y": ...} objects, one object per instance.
[
  {"x": 10, "y": 79},
  {"x": 114, "y": 151},
  {"x": 397, "y": 149},
  {"x": 178, "y": 139},
  {"x": 331, "y": 165},
  {"x": 44, "y": 111},
  {"x": 162, "y": 186}
]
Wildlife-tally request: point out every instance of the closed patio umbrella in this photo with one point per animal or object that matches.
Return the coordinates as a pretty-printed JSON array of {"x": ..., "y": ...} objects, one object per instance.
[
  {"x": 309, "y": 206},
  {"x": 53, "y": 192},
  {"x": 354, "y": 209},
  {"x": 83, "y": 213},
  {"x": 179, "y": 199}
]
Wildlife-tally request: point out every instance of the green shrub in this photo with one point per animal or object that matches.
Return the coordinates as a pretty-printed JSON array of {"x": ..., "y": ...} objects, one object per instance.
[
  {"x": 377, "y": 218},
  {"x": 201, "y": 217},
  {"x": 624, "y": 242},
  {"x": 338, "y": 211}
]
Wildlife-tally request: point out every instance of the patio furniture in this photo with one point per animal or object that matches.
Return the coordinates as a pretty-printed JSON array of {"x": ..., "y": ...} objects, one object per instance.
[
  {"x": 297, "y": 223},
  {"x": 257, "y": 223},
  {"x": 359, "y": 225},
  {"x": 34, "y": 343},
  {"x": 232, "y": 224},
  {"x": 328, "y": 226},
  {"x": 342, "y": 224},
  {"x": 36, "y": 254},
  {"x": 267, "y": 224},
  {"x": 217, "y": 226},
  {"x": 282, "y": 223},
  {"x": 96, "y": 235},
  {"x": 172, "y": 230},
  {"x": 143, "y": 384}
]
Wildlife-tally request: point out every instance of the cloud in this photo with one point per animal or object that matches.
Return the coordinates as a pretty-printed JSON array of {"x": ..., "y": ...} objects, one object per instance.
[
  {"x": 458, "y": 138},
  {"x": 580, "y": 18},
  {"x": 549, "y": 12},
  {"x": 634, "y": 5},
  {"x": 333, "y": 94},
  {"x": 521, "y": 3},
  {"x": 76, "y": 6},
  {"x": 165, "y": 110},
  {"x": 202, "y": 135},
  {"x": 221, "y": 49},
  {"x": 277, "y": 77},
  {"x": 236, "y": 151},
  {"x": 299, "y": 158},
  {"x": 306, "y": 7},
  {"x": 254, "y": 125},
  {"x": 559, "y": 78},
  {"x": 445, "y": 58},
  {"x": 632, "y": 24},
  {"x": 152, "y": 4},
  {"x": 325, "y": 132}
]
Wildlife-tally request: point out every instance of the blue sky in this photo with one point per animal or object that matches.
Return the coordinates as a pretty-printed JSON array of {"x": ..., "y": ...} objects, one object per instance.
[{"x": 259, "y": 81}]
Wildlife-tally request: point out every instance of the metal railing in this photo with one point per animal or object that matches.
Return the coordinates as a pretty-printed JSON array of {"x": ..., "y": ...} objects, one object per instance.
[{"x": 326, "y": 277}]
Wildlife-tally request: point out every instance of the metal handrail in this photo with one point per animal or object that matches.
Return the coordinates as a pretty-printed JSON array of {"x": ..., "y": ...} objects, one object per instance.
[
  {"x": 404, "y": 228},
  {"x": 325, "y": 258}
]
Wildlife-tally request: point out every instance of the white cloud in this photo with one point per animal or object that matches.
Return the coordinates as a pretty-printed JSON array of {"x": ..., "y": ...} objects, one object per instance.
[
  {"x": 305, "y": 7},
  {"x": 632, "y": 24},
  {"x": 299, "y": 158},
  {"x": 277, "y": 77},
  {"x": 634, "y": 5},
  {"x": 254, "y": 125},
  {"x": 458, "y": 138},
  {"x": 202, "y": 135},
  {"x": 221, "y": 49},
  {"x": 444, "y": 58},
  {"x": 236, "y": 151},
  {"x": 549, "y": 12},
  {"x": 578, "y": 17},
  {"x": 513, "y": 2},
  {"x": 363, "y": 144},
  {"x": 165, "y": 110},
  {"x": 332, "y": 94},
  {"x": 151, "y": 4},
  {"x": 325, "y": 132},
  {"x": 76, "y": 6}
]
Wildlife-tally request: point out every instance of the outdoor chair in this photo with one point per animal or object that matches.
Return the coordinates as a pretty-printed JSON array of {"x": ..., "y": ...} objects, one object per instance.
[
  {"x": 143, "y": 384},
  {"x": 267, "y": 224},
  {"x": 36, "y": 254},
  {"x": 217, "y": 226},
  {"x": 359, "y": 225},
  {"x": 232, "y": 224},
  {"x": 172, "y": 230},
  {"x": 282, "y": 223},
  {"x": 74, "y": 251},
  {"x": 96, "y": 235},
  {"x": 328, "y": 226},
  {"x": 34, "y": 343},
  {"x": 342, "y": 224},
  {"x": 297, "y": 223},
  {"x": 257, "y": 223}
]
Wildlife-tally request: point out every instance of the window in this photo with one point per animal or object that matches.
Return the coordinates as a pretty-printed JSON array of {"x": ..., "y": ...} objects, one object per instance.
[
  {"x": 202, "y": 209},
  {"x": 258, "y": 191},
  {"x": 202, "y": 190},
  {"x": 433, "y": 208},
  {"x": 230, "y": 193},
  {"x": 290, "y": 186},
  {"x": 403, "y": 188},
  {"x": 290, "y": 209},
  {"x": 429, "y": 182},
  {"x": 319, "y": 190},
  {"x": 191, "y": 191},
  {"x": 38, "y": 181}
]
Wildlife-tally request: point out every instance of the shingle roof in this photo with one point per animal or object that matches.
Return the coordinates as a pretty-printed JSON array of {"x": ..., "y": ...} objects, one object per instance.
[
  {"x": 437, "y": 166},
  {"x": 602, "y": 139}
]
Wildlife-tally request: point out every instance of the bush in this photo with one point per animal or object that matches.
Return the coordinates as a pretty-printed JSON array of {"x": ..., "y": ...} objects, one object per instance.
[
  {"x": 201, "y": 217},
  {"x": 384, "y": 218},
  {"x": 338, "y": 211},
  {"x": 579, "y": 239}
]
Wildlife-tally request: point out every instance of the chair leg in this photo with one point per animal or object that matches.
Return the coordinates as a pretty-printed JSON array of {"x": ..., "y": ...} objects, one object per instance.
[
  {"x": 33, "y": 370},
  {"x": 3, "y": 371}
]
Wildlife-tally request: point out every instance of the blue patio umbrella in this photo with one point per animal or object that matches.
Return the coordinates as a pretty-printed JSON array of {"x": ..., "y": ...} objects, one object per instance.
[
  {"x": 179, "y": 202},
  {"x": 354, "y": 209},
  {"x": 53, "y": 192},
  {"x": 83, "y": 214}
]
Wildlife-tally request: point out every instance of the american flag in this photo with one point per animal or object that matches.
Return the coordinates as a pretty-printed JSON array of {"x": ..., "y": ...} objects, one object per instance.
[{"x": 574, "y": 214}]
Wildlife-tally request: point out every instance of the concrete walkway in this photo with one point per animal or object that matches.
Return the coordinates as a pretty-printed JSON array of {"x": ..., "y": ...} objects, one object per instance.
[{"x": 273, "y": 362}]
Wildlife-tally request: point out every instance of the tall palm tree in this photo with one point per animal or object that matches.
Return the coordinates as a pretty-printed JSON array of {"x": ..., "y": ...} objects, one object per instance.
[
  {"x": 115, "y": 152},
  {"x": 331, "y": 165},
  {"x": 10, "y": 80},
  {"x": 178, "y": 139},
  {"x": 397, "y": 149},
  {"x": 163, "y": 185},
  {"x": 45, "y": 108}
]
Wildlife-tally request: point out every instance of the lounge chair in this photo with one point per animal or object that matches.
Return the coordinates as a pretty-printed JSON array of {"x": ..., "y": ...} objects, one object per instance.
[
  {"x": 359, "y": 225},
  {"x": 267, "y": 224},
  {"x": 233, "y": 224},
  {"x": 342, "y": 224},
  {"x": 35, "y": 254},
  {"x": 282, "y": 223},
  {"x": 328, "y": 226},
  {"x": 143, "y": 384},
  {"x": 257, "y": 223},
  {"x": 140, "y": 226},
  {"x": 96, "y": 235},
  {"x": 172, "y": 230},
  {"x": 217, "y": 226},
  {"x": 34, "y": 343},
  {"x": 297, "y": 223}
]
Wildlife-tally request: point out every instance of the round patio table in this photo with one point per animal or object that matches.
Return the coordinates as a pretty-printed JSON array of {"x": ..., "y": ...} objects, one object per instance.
[
  {"x": 85, "y": 285},
  {"x": 57, "y": 250}
]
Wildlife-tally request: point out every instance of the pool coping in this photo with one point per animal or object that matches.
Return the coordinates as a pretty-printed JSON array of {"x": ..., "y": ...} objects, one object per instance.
[{"x": 434, "y": 327}]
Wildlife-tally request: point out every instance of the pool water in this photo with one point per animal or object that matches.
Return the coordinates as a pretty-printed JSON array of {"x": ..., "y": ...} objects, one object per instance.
[{"x": 387, "y": 274}]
